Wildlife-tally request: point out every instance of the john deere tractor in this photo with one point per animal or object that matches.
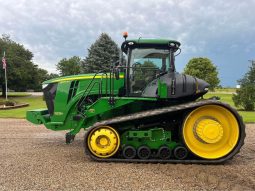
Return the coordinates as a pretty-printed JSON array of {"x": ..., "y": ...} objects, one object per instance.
[{"x": 142, "y": 110}]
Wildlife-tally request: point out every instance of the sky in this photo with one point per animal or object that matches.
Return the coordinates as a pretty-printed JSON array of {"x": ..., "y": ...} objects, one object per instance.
[{"x": 223, "y": 31}]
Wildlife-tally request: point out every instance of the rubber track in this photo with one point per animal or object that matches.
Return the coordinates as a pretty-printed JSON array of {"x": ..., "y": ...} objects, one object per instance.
[{"x": 165, "y": 110}]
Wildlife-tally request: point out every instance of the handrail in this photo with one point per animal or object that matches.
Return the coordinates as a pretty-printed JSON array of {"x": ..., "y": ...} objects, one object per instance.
[
  {"x": 106, "y": 85},
  {"x": 91, "y": 86},
  {"x": 88, "y": 94},
  {"x": 111, "y": 95}
]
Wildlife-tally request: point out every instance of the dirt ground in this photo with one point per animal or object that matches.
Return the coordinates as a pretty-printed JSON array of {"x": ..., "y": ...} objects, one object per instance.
[{"x": 34, "y": 158}]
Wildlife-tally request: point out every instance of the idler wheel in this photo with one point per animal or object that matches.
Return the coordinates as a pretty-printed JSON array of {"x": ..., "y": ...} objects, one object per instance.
[
  {"x": 180, "y": 152},
  {"x": 164, "y": 152},
  {"x": 103, "y": 141},
  {"x": 211, "y": 131},
  {"x": 129, "y": 152},
  {"x": 143, "y": 152}
]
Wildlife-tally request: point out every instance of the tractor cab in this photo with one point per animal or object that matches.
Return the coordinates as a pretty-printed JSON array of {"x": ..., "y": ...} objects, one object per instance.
[{"x": 150, "y": 71}]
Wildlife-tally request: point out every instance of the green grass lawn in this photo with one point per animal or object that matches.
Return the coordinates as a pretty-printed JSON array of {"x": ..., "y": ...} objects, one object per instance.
[
  {"x": 224, "y": 97},
  {"x": 35, "y": 102},
  {"x": 230, "y": 90}
]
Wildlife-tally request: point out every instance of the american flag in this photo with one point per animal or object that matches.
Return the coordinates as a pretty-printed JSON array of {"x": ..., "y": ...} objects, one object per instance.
[{"x": 4, "y": 63}]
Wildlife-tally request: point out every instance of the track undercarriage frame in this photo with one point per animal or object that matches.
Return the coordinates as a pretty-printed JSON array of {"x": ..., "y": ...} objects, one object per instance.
[{"x": 143, "y": 151}]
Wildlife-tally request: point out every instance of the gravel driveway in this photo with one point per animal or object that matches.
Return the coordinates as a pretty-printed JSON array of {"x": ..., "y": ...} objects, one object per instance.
[{"x": 34, "y": 158}]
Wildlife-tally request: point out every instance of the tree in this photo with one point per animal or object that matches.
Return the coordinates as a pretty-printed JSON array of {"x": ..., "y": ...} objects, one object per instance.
[
  {"x": 39, "y": 75},
  {"x": 204, "y": 69},
  {"x": 52, "y": 75},
  {"x": 101, "y": 55},
  {"x": 245, "y": 96},
  {"x": 69, "y": 66},
  {"x": 22, "y": 73}
]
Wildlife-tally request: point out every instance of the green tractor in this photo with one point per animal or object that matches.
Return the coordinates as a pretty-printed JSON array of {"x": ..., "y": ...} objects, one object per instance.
[{"x": 142, "y": 110}]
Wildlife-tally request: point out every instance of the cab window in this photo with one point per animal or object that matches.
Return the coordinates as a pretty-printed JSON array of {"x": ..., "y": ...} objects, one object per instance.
[{"x": 146, "y": 65}]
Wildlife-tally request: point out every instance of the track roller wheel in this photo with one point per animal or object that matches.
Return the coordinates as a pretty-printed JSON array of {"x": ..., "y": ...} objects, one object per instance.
[
  {"x": 164, "y": 152},
  {"x": 129, "y": 152},
  {"x": 180, "y": 152},
  {"x": 211, "y": 132},
  {"x": 103, "y": 141},
  {"x": 143, "y": 152}
]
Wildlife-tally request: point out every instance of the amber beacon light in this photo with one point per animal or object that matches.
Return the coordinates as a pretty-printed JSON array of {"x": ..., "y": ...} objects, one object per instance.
[{"x": 125, "y": 35}]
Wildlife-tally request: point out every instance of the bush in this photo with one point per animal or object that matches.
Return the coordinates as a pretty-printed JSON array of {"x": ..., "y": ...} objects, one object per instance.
[
  {"x": 245, "y": 96},
  {"x": 8, "y": 103}
]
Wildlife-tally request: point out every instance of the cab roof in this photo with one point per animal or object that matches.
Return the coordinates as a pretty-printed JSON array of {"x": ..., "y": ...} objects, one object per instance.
[{"x": 150, "y": 43}]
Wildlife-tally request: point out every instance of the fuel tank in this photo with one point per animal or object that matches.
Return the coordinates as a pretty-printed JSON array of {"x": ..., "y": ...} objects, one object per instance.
[{"x": 177, "y": 86}]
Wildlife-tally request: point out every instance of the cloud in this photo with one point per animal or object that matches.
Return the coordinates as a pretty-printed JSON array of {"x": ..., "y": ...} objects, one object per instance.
[{"x": 53, "y": 29}]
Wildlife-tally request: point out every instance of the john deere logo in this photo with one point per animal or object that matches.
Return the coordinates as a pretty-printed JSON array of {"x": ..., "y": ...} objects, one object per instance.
[
  {"x": 92, "y": 110},
  {"x": 58, "y": 113}
]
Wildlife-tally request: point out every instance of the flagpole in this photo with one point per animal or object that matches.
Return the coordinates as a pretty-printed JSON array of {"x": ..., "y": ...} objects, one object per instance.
[{"x": 5, "y": 74}]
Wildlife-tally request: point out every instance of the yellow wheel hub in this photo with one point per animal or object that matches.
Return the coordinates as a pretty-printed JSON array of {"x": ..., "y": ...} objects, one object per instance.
[
  {"x": 211, "y": 132},
  {"x": 103, "y": 141}
]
